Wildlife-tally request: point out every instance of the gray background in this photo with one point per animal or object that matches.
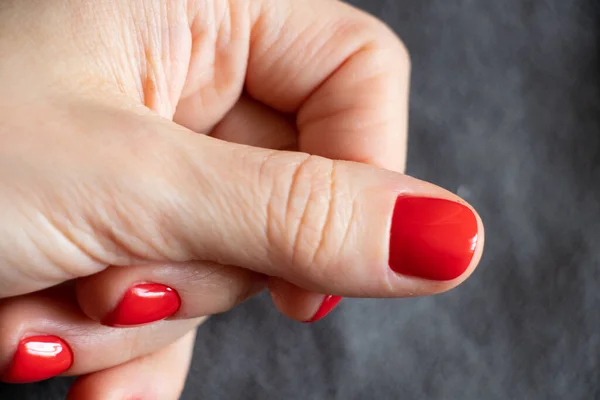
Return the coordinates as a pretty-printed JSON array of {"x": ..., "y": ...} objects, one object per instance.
[{"x": 505, "y": 111}]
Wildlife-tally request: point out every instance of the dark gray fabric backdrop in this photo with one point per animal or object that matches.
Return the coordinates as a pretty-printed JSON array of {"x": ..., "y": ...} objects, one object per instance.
[{"x": 506, "y": 112}]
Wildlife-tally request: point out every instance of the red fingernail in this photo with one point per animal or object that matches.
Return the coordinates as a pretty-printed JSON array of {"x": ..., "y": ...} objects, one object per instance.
[
  {"x": 143, "y": 304},
  {"x": 328, "y": 304},
  {"x": 432, "y": 238},
  {"x": 38, "y": 358}
]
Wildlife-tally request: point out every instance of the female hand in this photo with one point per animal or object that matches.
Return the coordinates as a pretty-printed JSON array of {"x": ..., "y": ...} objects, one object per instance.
[{"x": 101, "y": 164}]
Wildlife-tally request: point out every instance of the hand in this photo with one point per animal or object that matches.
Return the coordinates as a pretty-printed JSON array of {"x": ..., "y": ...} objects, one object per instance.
[{"x": 103, "y": 166}]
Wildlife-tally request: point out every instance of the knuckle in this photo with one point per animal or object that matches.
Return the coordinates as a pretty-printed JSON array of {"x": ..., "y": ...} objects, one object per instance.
[
  {"x": 380, "y": 37},
  {"x": 387, "y": 48},
  {"x": 402, "y": 56},
  {"x": 313, "y": 220},
  {"x": 308, "y": 219}
]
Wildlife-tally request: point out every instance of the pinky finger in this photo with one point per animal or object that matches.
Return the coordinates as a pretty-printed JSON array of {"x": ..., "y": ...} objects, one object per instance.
[{"x": 160, "y": 375}]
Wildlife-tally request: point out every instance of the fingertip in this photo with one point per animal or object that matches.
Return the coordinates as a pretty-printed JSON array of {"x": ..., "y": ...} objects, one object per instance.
[
  {"x": 328, "y": 303},
  {"x": 144, "y": 294},
  {"x": 477, "y": 254},
  {"x": 299, "y": 304},
  {"x": 144, "y": 303},
  {"x": 38, "y": 358},
  {"x": 436, "y": 243}
]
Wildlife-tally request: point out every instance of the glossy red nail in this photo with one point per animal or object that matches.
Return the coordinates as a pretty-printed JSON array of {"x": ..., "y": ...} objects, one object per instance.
[
  {"x": 143, "y": 304},
  {"x": 38, "y": 358},
  {"x": 328, "y": 304},
  {"x": 432, "y": 238}
]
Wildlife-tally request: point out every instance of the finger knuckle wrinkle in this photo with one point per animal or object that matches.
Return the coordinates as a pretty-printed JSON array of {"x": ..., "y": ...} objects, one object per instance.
[
  {"x": 311, "y": 212},
  {"x": 384, "y": 44}
]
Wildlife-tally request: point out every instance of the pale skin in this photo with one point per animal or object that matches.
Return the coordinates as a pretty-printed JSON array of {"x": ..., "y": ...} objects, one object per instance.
[{"x": 217, "y": 146}]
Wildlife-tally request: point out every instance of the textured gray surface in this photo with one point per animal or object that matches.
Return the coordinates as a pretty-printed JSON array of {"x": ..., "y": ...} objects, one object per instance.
[{"x": 505, "y": 111}]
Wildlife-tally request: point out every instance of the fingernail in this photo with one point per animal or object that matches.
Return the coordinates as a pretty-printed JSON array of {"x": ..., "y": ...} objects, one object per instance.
[
  {"x": 432, "y": 238},
  {"x": 38, "y": 358},
  {"x": 143, "y": 304},
  {"x": 328, "y": 304}
]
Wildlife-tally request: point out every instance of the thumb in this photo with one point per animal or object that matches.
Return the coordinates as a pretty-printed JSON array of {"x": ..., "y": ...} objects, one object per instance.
[
  {"x": 328, "y": 226},
  {"x": 332, "y": 226},
  {"x": 138, "y": 188}
]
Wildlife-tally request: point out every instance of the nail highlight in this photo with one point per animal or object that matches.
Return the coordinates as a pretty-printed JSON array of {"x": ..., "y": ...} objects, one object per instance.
[
  {"x": 432, "y": 238},
  {"x": 38, "y": 358},
  {"x": 328, "y": 304},
  {"x": 144, "y": 303}
]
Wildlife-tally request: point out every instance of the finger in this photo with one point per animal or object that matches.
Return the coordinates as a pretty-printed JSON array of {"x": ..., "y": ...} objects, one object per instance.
[
  {"x": 138, "y": 295},
  {"x": 45, "y": 334},
  {"x": 160, "y": 375},
  {"x": 337, "y": 226},
  {"x": 342, "y": 71},
  {"x": 168, "y": 194}
]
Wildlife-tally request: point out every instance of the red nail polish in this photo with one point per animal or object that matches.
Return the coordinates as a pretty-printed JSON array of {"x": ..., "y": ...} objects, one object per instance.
[
  {"x": 38, "y": 358},
  {"x": 432, "y": 238},
  {"x": 143, "y": 304},
  {"x": 328, "y": 304}
]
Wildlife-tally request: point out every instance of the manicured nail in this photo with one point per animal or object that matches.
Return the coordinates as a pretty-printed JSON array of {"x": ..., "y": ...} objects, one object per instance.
[
  {"x": 38, "y": 358},
  {"x": 143, "y": 304},
  {"x": 328, "y": 304},
  {"x": 432, "y": 238}
]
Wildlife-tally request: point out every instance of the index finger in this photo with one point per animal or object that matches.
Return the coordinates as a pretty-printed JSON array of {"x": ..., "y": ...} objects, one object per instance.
[{"x": 343, "y": 72}]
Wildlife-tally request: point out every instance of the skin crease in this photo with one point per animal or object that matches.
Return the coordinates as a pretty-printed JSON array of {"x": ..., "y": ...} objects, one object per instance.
[{"x": 129, "y": 68}]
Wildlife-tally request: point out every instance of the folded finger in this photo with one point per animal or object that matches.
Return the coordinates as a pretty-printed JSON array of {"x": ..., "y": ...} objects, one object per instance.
[
  {"x": 45, "y": 334},
  {"x": 345, "y": 74},
  {"x": 138, "y": 295}
]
